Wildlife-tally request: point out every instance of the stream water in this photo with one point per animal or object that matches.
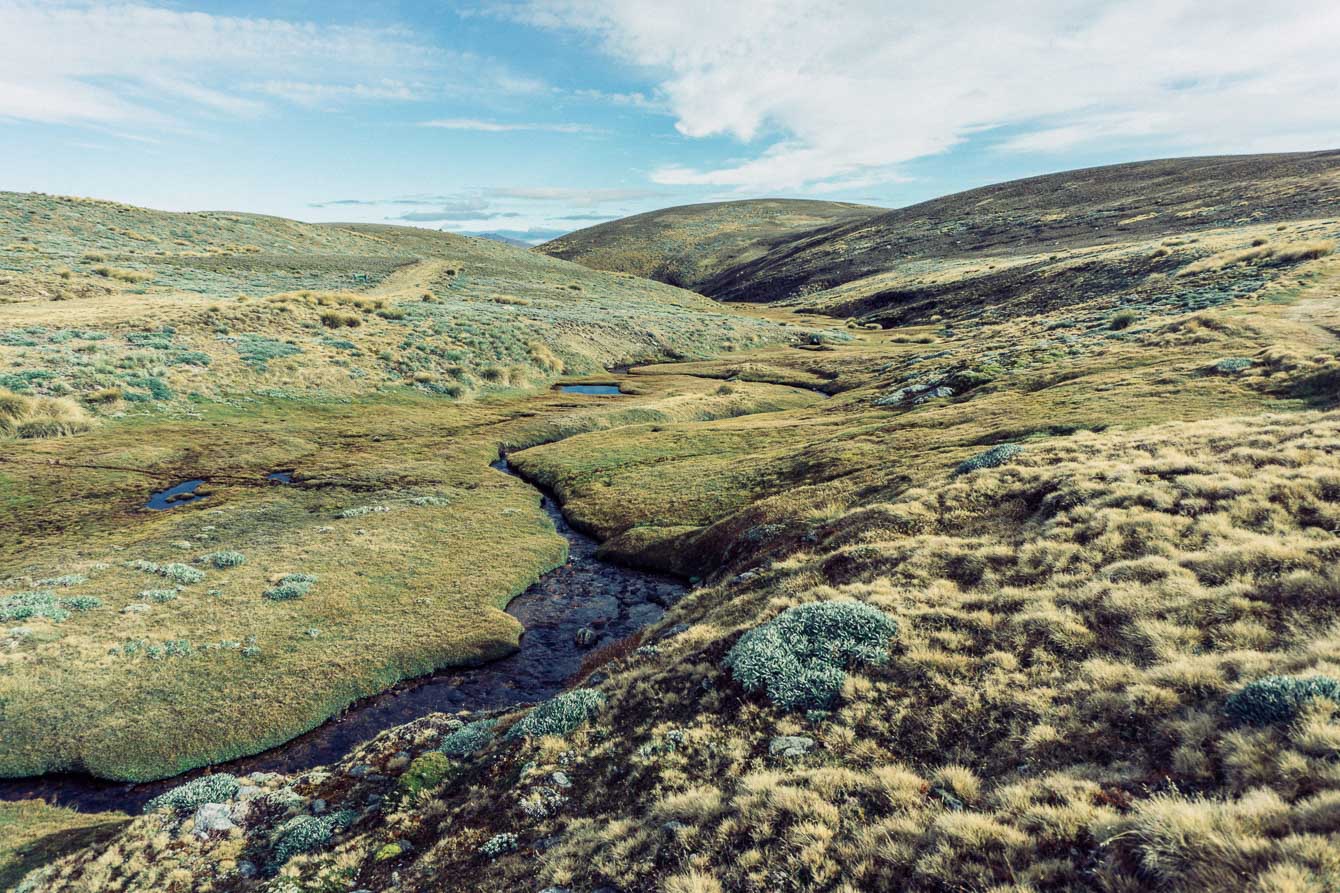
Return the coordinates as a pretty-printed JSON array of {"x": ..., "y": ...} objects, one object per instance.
[{"x": 585, "y": 593}]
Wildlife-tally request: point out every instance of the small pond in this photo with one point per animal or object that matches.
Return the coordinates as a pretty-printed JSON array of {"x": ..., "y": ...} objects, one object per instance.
[
  {"x": 175, "y": 495},
  {"x": 601, "y": 390},
  {"x": 280, "y": 477}
]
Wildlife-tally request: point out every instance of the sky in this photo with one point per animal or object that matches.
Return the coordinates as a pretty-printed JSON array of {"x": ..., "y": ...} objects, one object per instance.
[{"x": 535, "y": 117}]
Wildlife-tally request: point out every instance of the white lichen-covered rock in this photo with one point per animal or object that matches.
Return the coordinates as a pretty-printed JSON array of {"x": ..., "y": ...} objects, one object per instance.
[
  {"x": 213, "y": 817},
  {"x": 790, "y": 746}
]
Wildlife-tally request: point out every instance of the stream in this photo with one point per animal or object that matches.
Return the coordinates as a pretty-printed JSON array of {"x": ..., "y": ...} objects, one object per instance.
[{"x": 610, "y": 600}]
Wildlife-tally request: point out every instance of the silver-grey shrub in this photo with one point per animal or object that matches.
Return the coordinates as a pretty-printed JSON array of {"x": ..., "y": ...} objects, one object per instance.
[
  {"x": 558, "y": 715},
  {"x": 29, "y": 605},
  {"x": 224, "y": 559},
  {"x": 992, "y": 458},
  {"x": 1275, "y": 699},
  {"x": 217, "y": 788},
  {"x": 800, "y": 657},
  {"x": 468, "y": 738},
  {"x": 290, "y": 586}
]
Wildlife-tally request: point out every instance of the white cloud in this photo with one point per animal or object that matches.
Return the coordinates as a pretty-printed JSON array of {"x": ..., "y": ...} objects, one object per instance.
[
  {"x": 846, "y": 91},
  {"x": 480, "y": 126},
  {"x": 573, "y": 196},
  {"x": 136, "y": 64}
]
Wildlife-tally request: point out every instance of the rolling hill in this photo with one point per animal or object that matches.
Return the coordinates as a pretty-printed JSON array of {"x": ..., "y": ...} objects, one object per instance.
[{"x": 689, "y": 245}]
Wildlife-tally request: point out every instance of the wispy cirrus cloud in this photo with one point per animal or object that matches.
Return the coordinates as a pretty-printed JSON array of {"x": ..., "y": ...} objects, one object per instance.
[
  {"x": 477, "y": 125},
  {"x": 480, "y": 197},
  {"x": 840, "y": 95},
  {"x": 135, "y": 64}
]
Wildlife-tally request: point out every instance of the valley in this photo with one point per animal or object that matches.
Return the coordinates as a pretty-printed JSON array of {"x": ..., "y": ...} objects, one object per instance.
[{"x": 1064, "y": 485}]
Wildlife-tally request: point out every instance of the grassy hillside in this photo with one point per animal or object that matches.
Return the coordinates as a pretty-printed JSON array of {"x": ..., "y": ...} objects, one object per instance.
[
  {"x": 691, "y": 244},
  {"x": 383, "y": 365},
  {"x": 1030, "y": 245},
  {"x": 1038, "y": 599}
]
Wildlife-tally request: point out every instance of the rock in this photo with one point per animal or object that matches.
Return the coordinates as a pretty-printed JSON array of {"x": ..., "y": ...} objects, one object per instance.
[
  {"x": 245, "y": 868},
  {"x": 249, "y": 792},
  {"x": 597, "y": 677},
  {"x": 673, "y": 827},
  {"x": 790, "y": 746},
  {"x": 561, "y": 779},
  {"x": 585, "y": 637},
  {"x": 318, "y": 806},
  {"x": 672, "y": 631},
  {"x": 362, "y": 770},
  {"x": 932, "y": 394},
  {"x": 213, "y": 817},
  {"x": 642, "y": 615},
  {"x": 665, "y": 598},
  {"x": 556, "y": 890}
]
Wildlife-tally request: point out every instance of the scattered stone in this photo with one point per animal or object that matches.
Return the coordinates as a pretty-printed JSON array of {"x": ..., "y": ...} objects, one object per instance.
[
  {"x": 672, "y": 631},
  {"x": 249, "y": 792},
  {"x": 213, "y": 817},
  {"x": 245, "y": 868},
  {"x": 561, "y": 779},
  {"x": 318, "y": 806},
  {"x": 790, "y": 746},
  {"x": 362, "y": 770}
]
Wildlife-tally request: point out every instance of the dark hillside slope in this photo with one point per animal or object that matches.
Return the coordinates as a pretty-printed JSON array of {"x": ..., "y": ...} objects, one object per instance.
[
  {"x": 1032, "y": 221},
  {"x": 690, "y": 244}
]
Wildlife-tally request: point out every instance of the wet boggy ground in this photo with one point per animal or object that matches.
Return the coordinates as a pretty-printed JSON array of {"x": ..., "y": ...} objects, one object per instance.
[{"x": 609, "y": 600}]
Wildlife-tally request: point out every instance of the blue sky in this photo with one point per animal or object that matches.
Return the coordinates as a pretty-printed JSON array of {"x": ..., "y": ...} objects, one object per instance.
[{"x": 548, "y": 115}]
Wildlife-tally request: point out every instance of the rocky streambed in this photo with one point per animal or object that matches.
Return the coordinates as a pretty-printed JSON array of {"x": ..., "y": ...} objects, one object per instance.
[{"x": 573, "y": 609}]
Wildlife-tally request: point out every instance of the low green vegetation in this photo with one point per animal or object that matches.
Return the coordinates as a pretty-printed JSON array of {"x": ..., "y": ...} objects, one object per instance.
[
  {"x": 800, "y": 658},
  {"x": 559, "y": 715}
]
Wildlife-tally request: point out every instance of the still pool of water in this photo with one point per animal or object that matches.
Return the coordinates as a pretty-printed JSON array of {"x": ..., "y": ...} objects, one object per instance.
[
  {"x": 175, "y": 495},
  {"x": 601, "y": 390}
]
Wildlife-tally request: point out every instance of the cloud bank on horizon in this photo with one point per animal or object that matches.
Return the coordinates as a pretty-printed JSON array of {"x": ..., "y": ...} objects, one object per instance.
[{"x": 542, "y": 111}]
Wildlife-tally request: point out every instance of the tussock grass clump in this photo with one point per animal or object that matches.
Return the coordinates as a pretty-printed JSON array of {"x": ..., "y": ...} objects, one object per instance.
[
  {"x": 122, "y": 274},
  {"x": 220, "y": 787},
  {"x": 335, "y": 319},
  {"x": 800, "y": 657},
  {"x": 1263, "y": 253},
  {"x": 33, "y": 418},
  {"x": 1122, "y": 319},
  {"x": 558, "y": 715},
  {"x": 1279, "y": 699}
]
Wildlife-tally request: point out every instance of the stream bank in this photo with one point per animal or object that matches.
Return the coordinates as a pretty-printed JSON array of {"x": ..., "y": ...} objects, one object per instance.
[{"x": 586, "y": 600}]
